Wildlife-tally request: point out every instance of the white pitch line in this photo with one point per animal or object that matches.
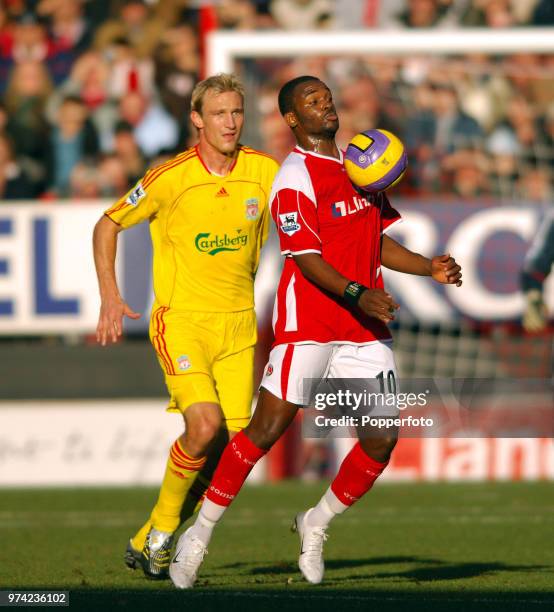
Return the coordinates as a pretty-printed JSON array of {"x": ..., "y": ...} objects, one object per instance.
[
  {"x": 11, "y": 520},
  {"x": 341, "y": 597}
]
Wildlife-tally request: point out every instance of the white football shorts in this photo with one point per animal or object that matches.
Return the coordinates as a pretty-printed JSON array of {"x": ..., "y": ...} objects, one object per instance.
[{"x": 290, "y": 365}]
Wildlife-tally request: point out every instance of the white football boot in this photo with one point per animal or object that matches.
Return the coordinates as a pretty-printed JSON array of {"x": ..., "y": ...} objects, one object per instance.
[
  {"x": 310, "y": 560},
  {"x": 189, "y": 554}
]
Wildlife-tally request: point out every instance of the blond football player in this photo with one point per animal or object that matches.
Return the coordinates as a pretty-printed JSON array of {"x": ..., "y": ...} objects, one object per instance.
[{"x": 208, "y": 215}]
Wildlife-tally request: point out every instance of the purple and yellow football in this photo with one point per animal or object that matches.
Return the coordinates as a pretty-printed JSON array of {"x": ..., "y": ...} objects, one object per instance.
[{"x": 375, "y": 160}]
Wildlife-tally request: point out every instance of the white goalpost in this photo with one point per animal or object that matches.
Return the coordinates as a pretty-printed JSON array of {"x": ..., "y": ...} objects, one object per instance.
[{"x": 225, "y": 47}]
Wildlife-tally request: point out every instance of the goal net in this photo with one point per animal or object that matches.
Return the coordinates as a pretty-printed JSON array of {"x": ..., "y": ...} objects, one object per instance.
[{"x": 475, "y": 110}]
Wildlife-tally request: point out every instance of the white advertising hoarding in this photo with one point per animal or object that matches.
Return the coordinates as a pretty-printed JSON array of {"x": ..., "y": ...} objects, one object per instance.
[{"x": 48, "y": 283}]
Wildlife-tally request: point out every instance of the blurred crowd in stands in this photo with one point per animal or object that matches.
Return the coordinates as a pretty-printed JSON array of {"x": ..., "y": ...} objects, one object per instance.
[{"x": 93, "y": 92}]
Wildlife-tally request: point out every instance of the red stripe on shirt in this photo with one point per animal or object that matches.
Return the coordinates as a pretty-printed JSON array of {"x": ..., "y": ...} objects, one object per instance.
[
  {"x": 156, "y": 173},
  {"x": 113, "y": 210},
  {"x": 164, "y": 309},
  {"x": 285, "y": 370},
  {"x": 156, "y": 340},
  {"x": 201, "y": 160},
  {"x": 157, "y": 345},
  {"x": 254, "y": 152}
]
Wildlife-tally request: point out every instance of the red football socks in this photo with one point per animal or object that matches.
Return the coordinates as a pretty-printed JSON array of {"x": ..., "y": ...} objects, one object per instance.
[
  {"x": 356, "y": 475},
  {"x": 237, "y": 461}
]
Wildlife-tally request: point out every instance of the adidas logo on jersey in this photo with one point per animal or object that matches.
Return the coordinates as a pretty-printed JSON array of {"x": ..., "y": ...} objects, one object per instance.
[{"x": 222, "y": 193}]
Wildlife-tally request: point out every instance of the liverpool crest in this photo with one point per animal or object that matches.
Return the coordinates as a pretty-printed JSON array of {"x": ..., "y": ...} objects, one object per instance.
[{"x": 252, "y": 209}]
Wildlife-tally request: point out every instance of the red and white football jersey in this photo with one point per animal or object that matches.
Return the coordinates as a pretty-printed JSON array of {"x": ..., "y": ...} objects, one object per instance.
[{"x": 317, "y": 210}]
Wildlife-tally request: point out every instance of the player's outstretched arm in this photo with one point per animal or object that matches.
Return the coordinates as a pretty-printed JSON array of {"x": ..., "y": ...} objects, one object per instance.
[
  {"x": 373, "y": 302},
  {"x": 112, "y": 307},
  {"x": 442, "y": 268}
]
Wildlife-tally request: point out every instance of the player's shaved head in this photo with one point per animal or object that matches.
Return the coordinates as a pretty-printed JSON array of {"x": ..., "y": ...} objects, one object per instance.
[{"x": 286, "y": 95}]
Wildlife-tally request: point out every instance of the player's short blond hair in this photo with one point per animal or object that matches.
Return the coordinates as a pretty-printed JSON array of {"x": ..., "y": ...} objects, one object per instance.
[{"x": 219, "y": 83}]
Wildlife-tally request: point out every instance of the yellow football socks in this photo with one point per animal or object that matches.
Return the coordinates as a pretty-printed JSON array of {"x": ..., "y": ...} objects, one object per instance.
[
  {"x": 195, "y": 497},
  {"x": 180, "y": 475}
]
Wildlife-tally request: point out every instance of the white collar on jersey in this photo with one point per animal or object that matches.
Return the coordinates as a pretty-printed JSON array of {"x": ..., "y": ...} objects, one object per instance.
[{"x": 339, "y": 161}]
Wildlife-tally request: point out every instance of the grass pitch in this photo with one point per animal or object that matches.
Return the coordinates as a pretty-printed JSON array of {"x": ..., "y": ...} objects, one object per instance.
[{"x": 424, "y": 547}]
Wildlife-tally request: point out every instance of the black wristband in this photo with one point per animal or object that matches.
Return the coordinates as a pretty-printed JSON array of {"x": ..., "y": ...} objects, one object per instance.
[{"x": 353, "y": 292}]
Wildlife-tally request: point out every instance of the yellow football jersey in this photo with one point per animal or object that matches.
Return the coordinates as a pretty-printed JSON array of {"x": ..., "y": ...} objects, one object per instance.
[{"x": 207, "y": 230}]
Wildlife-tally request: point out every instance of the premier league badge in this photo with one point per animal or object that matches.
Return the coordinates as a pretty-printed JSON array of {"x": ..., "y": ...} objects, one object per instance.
[
  {"x": 252, "y": 209},
  {"x": 289, "y": 223},
  {"x": 136, "y": 195}
]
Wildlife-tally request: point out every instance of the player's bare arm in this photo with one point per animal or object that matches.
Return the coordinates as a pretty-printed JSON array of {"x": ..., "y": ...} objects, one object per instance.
[
  {"x": 112, "y": 307},
  {"x": 373, "y": 302},
  {"x": 442, "y": 268}
]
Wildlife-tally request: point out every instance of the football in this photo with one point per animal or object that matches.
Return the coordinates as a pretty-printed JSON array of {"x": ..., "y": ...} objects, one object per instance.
[{"x": 375, "y": 160}]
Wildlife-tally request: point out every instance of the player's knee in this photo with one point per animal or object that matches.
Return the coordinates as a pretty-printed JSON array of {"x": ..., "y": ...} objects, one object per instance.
[
  {"x": 202, "y": 430},
  {"x": 379, "y": 449},
  {"x": 263, "y": 437},
  {"x": 207, "y": 429}
]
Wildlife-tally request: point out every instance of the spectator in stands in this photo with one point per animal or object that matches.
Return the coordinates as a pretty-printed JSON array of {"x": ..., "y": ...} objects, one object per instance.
[
  {"x": 422, "y": 14},
  {"x": 504, "y": 150},
  {"x": 15, "y": 184},
  {"x": 521, "y": 119},
  {"x": 89, "y": 81},
  {"x": 112, "y": 177},
  {"x": 453, "y": 129},
  {"x": 544, "y": 13},
  {"x": 525, "y": 76},
  {"x": 134, "y": 23},
  {"x": 363, "y": 104},
  {"x": 236, "y": 15},
  {"x": 6, "y": 42},
  {"x": 30, "y": 40},
  {"x": 5, "y": 34},
  {"x": 73, "y": 138},
  {"x": 418, "y": 134},
  {"x": 22, "y": 38},
  {"x": 523, "y": 10},
  {"x": 128, "y": 71},
  {"x": 493, "y": 14},
  {"x": 475, "y": 15},
  {"x": 302, "y": 14},
  {"x": 177, "y": 70},
  {"x": 154, "y": 128},
  {"x": 386, "y": 74},
  {"x": 276, "y": 136},
  {"x": 149, "y": 53},
  {"x": 70, "y": 33},
  {"x": 547, "y": 128},
  {"x": 85, "y": 181},
  {"x": 3, "y": 118},
  {"x": 465, "y": 174},
  {"x": 535, "y": 186},
  {"x": 28, "y": 89},
  {"x": 174, "y": 12},
  {"x": 482, "y": 90},
  {"x": 126, "y": 149}
]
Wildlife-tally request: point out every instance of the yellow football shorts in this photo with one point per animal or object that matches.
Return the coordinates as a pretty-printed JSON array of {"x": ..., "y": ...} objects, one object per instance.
[{"x": 207, "y": 357}]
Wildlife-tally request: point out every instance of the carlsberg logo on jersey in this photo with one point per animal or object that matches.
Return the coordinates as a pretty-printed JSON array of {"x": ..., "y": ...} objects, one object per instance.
[{"x": 212, "y": 244}]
